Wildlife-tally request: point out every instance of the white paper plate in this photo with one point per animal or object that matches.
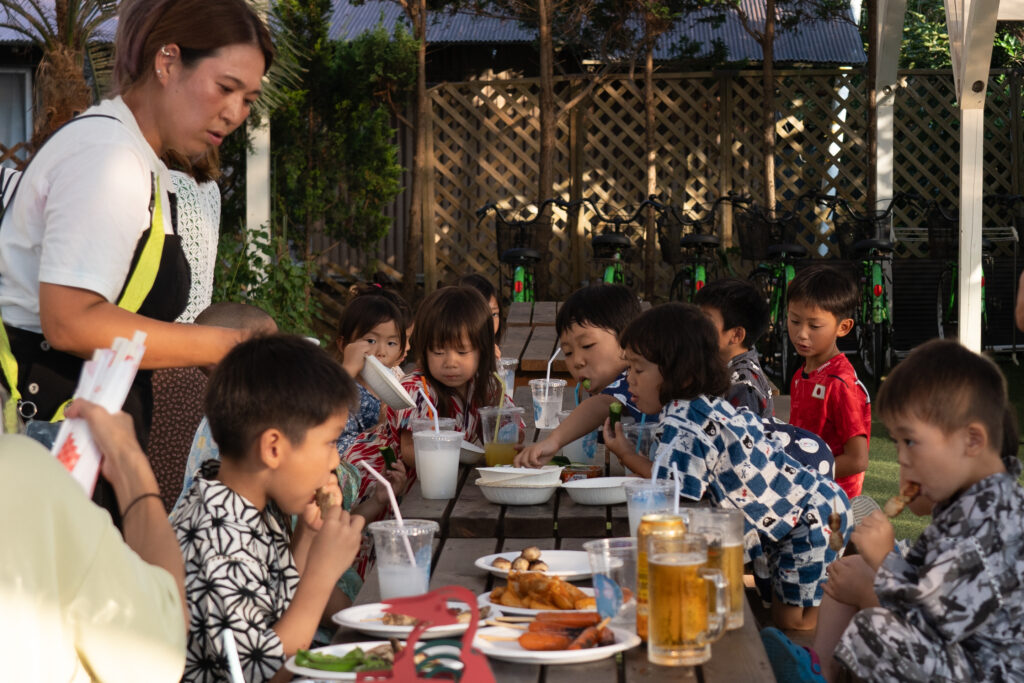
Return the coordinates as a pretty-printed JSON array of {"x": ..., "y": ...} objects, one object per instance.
[
  {"x": 570, "y": 565},
  {"x": 366, "y": 618},
  {"x": 549, "y": 474},
  {"x": 470, "y": 454},
  {"x": 510, "y": 650},
  {"x": 597, "y": 490},
  {"x": 337, "y": 651},
  {"x": 384, "y": 383},
  {"x": 484, "y": 600}
]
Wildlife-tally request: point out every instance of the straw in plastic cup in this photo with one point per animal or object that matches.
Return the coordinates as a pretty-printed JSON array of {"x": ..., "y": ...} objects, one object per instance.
[
  {"x": 437, "y": 463},
  {"x": 503, "y": 429},
  {"x": 644, "y": 497},
  {"x": 613, "y": 566},
  {"x": 641, "y": 435},
  {"x": 397, "y": 576},
  {"x": 394, "y": 505},
  {"x": 583, "y": 450},
  {"x": 433, "y": 409},
  {"x": 547, "y": 401},
  {"x": 550, "y": 361}
]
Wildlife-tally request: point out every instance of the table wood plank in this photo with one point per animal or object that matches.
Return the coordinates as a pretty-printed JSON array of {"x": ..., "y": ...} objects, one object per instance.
[
  {"x": 544, "y": 313},
  {"x": 576, "y": 520},
  {"x": 530, "y": 521},
  {"x": 519, "y": 313},
  {"x": 473, "y": 516},
  {"x": 739, "y": 655},
  {"x": 455, "y": 566},
  {"x": 515, "y": 341},
  {"x": 539, "y": 349},
  {"x": 639, "y": 669}
]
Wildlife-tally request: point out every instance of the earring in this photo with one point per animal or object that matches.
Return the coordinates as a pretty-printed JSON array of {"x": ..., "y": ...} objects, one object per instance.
[
  {"x": 164, "y": 52},
  {"x": 159, "y": 73}
]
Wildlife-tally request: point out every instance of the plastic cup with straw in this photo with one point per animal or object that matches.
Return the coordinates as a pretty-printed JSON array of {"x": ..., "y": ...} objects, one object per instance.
[
  {"x": 437, "y": 459},
  {"x": 547, "y": 397},
  {"x": 394, "y": 507}
]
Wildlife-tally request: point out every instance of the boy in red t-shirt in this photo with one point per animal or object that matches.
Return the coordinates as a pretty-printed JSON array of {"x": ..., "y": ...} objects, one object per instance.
[{"x": 826, "y": 396}]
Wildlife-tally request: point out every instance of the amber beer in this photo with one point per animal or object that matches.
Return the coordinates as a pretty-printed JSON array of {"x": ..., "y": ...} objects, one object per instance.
[
  {"x": 729, "y": 559},
  {"x": 682, "y": 621},
  {"x": 648, "y": 524}
]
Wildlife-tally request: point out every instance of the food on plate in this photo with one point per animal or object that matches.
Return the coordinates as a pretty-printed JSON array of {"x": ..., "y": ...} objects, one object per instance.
[
  {"x": 835, "y": 523},
  {"x": 534, "y": 590},
  {"x": 532, "y": 553},
  {"x": 461, "y": 615},
  {"x": 375, "y": 659},
  {"x": 520, "y": 564},
  {"x": 324, "y": 499},
  {"x": 557, "y": 634},
  {"x": 538, "y": 566},
  {"x": 502, "y": 563},
  {"x": 908, "y": 492}
]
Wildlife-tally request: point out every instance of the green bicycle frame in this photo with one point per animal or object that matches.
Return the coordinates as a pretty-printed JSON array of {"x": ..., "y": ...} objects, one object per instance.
[
  {"x": 951, "y": 305},
  {"x": 522, "y": 285},
  {"x": 700, "y": 277},
  {"x": 613, "y": 272},
  {"x": 876, "y": 307}
]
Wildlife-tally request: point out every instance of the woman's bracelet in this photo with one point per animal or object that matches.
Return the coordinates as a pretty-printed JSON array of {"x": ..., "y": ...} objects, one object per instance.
[{"x": 136, "y": 500}]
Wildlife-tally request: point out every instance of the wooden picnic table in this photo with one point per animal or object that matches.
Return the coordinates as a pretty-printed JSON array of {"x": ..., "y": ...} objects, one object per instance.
[{"x": 472, "y": 527}]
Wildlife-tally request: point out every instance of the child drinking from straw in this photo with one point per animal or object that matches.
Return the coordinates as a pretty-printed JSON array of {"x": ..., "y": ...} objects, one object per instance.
[
  {"x": 453, "y": 347},
  {"x": 952, "y": 609},
  {"x": 276, "y": 405},
  {"x": 723, "y": 455}
]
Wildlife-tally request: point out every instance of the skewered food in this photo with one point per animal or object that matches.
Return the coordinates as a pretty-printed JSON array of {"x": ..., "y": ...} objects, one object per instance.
[
  {"x": 908, "y": 492},
  {"x": 324, "y": 499},
  {"x": 553, "y": 631}
]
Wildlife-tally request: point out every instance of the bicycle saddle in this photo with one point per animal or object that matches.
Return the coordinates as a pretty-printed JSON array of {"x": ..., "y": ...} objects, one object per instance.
[
  {"x": 987, "y": 244},
  {"x": 786, "y": 249},
  {"x": 862, "y": 247},
  {"x": 611, "y": 239},
  {"x": 696, "y": 239},
  {"x": 517, "y": 257}
]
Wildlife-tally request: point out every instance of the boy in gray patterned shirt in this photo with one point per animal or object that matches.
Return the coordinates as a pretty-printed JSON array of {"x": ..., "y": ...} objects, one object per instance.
[
  {"x": 953, "y": 608},
  {"x": 740, "y": 316}
]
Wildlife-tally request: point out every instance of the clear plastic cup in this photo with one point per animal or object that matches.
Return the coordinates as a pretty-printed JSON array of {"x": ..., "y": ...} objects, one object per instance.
[
  {"x": 584, "y": 449},
  {"x": 437, "y": 462},
  {"x": 547, "y": 401},
  {"x": 507, "y": 368},
  {"x": 397, "y": 576},
  {"x": 502, "y": 429},
  {"x": 419, "y": 424},
  {"x": 642, "y": 437},
  {"x": 613, "y": 565},
  {"x": 644, "y": 497},
  {"x": 723, "y": 530}
]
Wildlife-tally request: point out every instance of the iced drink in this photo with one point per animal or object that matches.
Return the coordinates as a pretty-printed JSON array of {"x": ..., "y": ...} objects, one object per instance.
[
  {"x": 502, "y": 429},
  {"x": 437, "y": 462},
  {"x": 397, "y": 576},
  {"x": 547, "y": 401},
  {"x": 644, "y": 497}
]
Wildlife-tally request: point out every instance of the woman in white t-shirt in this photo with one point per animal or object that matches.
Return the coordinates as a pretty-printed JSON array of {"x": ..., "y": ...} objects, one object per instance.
[{"x": 88, "y": 245}]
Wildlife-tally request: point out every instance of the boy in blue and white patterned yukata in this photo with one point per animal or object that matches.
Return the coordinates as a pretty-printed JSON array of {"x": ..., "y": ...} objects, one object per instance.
[{"x": 723, "y": 454}]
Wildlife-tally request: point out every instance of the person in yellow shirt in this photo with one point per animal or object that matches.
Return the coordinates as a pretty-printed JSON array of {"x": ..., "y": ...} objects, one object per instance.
[{"x": 77, "y": 601}]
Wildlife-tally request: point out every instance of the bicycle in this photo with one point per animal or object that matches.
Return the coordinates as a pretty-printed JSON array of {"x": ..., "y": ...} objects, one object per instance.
[
  {"x": 514, "y": 250},
  {"x": 865, "y": 239},
  {"x": 943, "y": 232},
  {"x": 613, "y": 247},
  {"x": 691, "y": 245},
  {"x": 771, "y": 242}
]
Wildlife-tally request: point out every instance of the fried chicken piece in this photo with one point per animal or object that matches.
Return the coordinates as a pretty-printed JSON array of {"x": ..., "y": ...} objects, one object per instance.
[{"x": 908, "y": 493}]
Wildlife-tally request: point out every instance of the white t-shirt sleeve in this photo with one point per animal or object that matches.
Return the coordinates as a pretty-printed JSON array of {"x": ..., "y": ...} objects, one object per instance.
[{"x": 97, "y": 206}]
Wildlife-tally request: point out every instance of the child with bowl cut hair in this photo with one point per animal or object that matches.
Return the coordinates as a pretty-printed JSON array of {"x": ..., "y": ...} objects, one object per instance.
[
  {"x": 723, "y": 454},
  {"x": 952, "y": 608},
  {"x": 826, "y": 396}
]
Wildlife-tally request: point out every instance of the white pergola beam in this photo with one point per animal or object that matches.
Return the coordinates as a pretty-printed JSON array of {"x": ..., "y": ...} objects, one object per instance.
[{"x": 889, "y": 36}]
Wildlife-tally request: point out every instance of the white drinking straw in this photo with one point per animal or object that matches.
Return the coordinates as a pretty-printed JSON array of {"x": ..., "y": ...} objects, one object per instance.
[
  {"x": 433, "y": 412},
  {"x": 231, "y": 652},
  {"x": 675, "y": 502},
  {"x": 547, "y": 381},
  {"x": 394, "y": 506}
]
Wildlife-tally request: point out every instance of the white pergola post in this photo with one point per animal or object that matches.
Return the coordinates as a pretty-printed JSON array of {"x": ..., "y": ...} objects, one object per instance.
[
  {"x": 972, "y": 28},
  {"x": 889, "y": 37},
  {"x": 257, "y": 192}
]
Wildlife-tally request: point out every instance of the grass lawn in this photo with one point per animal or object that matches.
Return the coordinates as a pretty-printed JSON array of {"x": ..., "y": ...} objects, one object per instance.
[{"x": 882, "y": 479}]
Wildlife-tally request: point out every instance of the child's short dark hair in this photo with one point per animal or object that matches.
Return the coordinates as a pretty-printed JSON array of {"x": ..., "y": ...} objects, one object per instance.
[
  {"x": 946, "y": 385},
  {"x": 376, "y": 289},
  {"x": 277, "y": 381},
  {"x": 610, "y": 307},
  {"x": 682, "y": 342},
  {"x": 489, "y": 291},
  {"x": 740, "y": 305},
  {"x": 827, "y": 288},
  {"x": 364, "y": 313}
]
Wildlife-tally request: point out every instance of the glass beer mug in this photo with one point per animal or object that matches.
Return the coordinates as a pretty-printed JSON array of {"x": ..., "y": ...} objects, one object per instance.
[
  {"x": 688, "y": 602},
  {"x": 722, "y": 528}
]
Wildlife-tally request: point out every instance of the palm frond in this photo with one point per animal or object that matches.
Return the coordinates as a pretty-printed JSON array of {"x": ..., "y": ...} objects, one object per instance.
[
  {"x": 285, "y": 73},
  {"x": 35, "y": 16}
]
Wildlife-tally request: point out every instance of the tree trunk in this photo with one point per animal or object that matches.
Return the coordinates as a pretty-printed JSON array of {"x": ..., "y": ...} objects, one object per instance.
[
  {"x": 546, "y": 160},
  {"x": 414, "y": 235},
  {"x": 768, "y": 122},
  {"x": 872, "y": 80},
  {"x": 650, "y": 253}
]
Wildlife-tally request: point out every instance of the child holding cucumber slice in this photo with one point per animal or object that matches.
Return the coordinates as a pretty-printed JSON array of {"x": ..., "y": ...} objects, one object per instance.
[{"x": 588, "y": 326}]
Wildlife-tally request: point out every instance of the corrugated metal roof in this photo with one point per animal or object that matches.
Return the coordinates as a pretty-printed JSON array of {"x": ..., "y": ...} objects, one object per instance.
[{"x": 833, "y": 42}]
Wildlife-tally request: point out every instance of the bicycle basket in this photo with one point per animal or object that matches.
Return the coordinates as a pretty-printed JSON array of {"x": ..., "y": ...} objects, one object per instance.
[
  {"x": 943, "y": 234},
  {"x": 850, "y": 230},
  {"x": 511, "y": 235},
  {"x": 756, "y": 231},
  {"x": 671, "y": 231}
]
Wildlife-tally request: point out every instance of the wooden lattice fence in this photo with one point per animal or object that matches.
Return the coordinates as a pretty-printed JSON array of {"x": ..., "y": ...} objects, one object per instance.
[{"x": 484, "y": 138}]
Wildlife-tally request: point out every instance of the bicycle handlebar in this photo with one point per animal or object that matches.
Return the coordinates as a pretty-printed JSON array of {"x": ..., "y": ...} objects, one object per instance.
[
  {"x": 493, "y": 206},
  {"x": 619, "y": 221}
]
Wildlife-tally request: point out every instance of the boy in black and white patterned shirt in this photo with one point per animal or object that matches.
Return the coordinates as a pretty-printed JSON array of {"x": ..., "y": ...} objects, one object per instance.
[
  {"x": 953, "y": 608},
  {"x": 276, "y": 406},
  {"x": 740, "y": 316}
]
